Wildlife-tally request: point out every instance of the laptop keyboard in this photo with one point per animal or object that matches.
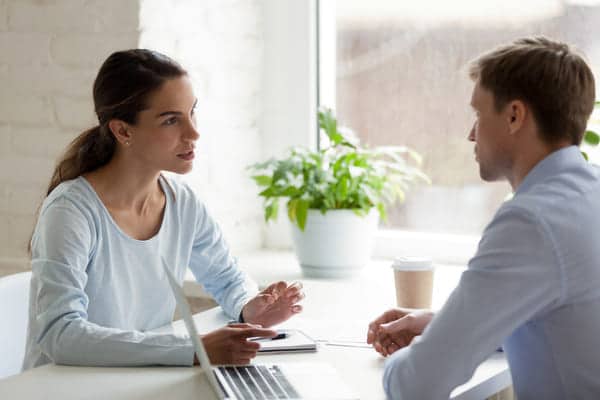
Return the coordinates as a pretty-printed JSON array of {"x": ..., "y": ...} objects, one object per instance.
[{"x": 259, "y": 382}]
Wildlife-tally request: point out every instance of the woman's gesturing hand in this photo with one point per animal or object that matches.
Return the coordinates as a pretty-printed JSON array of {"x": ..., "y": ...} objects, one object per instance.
[{"x": 275, "y": 304}]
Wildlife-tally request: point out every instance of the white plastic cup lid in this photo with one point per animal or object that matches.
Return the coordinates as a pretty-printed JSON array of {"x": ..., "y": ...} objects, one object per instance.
[{"x": 412, "y": 263}]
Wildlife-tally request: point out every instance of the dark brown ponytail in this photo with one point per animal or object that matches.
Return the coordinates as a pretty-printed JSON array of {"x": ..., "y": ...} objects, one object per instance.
[{"x": 87, "y": 152}]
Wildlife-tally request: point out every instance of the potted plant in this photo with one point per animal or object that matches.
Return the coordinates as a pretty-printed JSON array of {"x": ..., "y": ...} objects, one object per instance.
[{"x": 335, "y": 196}]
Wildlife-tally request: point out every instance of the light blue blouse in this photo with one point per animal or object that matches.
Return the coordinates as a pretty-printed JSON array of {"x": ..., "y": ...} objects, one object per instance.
[
  {"x": 96, "y": 293},
  {"x": 533, "y": 286}
]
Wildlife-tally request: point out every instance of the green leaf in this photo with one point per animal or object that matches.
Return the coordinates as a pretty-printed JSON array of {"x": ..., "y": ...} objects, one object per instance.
[
  {"x": 292, "y": 209},
  {"x": 584, "y": 154},
  {"x": 262, "y": 180},
  {"x": 342, "y": 189},
  {"x": 301, "y": 213},
  {"x": 268, "y": 192},
  {"x": 328, "y": 123},
  {"x": 591, "y": 138},
  {"x": 382, "y": 213},
  {"x": 271, "y": 210}
]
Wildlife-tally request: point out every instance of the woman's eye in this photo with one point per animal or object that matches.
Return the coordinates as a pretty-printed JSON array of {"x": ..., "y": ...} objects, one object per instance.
[{"x": 170, "y": 121}]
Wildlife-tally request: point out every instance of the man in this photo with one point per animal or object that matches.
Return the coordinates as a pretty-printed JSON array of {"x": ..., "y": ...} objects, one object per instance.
[{"x": 534, "y": 284}]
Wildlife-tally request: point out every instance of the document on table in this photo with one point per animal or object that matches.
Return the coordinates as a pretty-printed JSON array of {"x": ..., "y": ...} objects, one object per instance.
[{"x": 333, "y": 332}]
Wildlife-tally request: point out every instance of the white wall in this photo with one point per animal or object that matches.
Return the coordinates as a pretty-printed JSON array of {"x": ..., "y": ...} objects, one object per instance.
[
  {"x": 249, "y": 62},
  {"x": 50, "y": 51},
  {"x": 221, "y": 45}
]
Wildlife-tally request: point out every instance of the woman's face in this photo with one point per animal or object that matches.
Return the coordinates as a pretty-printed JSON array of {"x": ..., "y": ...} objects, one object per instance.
[{"x": 165, "y": 134}]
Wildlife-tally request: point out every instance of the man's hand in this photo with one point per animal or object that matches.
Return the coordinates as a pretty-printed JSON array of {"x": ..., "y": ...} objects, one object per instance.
[
  {"x": 396, "y": 328},
  {"x": 230, "y": 344},
  {"x": 274, "y": 305}
]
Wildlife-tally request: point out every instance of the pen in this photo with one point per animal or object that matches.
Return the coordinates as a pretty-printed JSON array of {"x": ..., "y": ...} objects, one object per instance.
[{"x": 282, "y": 335}]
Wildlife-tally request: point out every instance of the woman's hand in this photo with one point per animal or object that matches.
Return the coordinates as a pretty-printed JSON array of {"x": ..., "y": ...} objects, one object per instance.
[
  {"x": 275, "y": 304},
  {"x": 396, "y": 328},
  {"x": 230, "y": 344}
]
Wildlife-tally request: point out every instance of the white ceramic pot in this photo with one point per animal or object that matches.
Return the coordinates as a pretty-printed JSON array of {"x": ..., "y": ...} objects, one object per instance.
[{"x": 335, "y": 244}]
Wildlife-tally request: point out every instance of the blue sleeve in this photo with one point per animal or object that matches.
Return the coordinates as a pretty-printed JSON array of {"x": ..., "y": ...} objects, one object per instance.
[
  {"x": 61, "y": 249},
  {"x": 216, "y": 269},
  {"x": 513, "y": 277}
]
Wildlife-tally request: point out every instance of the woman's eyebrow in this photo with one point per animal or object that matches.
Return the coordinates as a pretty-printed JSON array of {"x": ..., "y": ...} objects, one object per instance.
[{"x": 162, "y": 114}]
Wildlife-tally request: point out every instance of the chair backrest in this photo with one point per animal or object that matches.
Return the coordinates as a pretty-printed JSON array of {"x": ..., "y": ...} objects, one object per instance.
[{"x": 14, "y": 314}]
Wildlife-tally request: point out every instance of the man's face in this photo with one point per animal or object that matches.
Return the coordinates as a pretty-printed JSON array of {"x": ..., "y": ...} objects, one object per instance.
[{"x": 490, "y": 132}]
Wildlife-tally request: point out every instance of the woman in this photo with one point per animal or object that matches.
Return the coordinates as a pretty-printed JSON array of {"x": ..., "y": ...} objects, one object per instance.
[{"x": 98, "y": 287}]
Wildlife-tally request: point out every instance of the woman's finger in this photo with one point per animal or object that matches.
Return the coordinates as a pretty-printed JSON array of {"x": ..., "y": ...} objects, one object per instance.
[
  {"x": 248, "y": 345},
  {"x": 292, "y": 291},
  {"x": 240, "y": 361},
  {"x": 256, "y": 332},
  {"x": 245, "y": 354},
  {"x": 266, "y": 298},
  {"x": 299, "y": 297},
  {"x": 244, "y": 325}
]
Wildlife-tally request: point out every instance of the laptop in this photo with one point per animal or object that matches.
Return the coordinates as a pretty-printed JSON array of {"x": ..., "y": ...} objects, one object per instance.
[{"x": 261, "y": 381}]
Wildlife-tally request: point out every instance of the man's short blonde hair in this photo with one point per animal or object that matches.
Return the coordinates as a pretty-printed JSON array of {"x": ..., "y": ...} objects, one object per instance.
[{"x": 553, "y": 80}]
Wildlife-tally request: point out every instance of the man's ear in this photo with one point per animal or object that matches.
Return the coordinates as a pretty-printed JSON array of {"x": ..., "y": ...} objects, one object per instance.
[
  {"x": 516, "y": 114},
  {"x": 120, "y": 130}
]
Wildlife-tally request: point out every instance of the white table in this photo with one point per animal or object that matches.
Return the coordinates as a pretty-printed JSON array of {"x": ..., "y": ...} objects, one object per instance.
[{"x": 335, "y": 311}]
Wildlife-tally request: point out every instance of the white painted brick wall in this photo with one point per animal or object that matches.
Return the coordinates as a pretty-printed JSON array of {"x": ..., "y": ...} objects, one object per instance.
[
  {"x": 88, "y": 50},
  {"x": 51, "y": 51},
  {"x": 3, "y": 16},
  {"x": 23, "y": 48},
  {"x": 73, "y": 16}
]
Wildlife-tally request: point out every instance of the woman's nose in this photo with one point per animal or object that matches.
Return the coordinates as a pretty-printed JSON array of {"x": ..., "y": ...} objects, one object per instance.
[{"x": 193, "y": 133}]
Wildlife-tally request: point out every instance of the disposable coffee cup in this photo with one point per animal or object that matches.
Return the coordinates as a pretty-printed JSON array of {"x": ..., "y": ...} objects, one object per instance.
[{"x": 414, "y": 281}]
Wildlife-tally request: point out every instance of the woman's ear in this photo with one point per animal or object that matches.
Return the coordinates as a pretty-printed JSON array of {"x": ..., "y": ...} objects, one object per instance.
[{"x": 120, "y": 131}]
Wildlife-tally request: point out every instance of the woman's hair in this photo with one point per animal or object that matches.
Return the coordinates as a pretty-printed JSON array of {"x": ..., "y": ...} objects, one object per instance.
[{"x": 121, "y": 89}]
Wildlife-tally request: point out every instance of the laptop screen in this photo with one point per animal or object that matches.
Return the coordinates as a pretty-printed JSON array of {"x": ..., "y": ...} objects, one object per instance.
[{"x": 184, "y": 309}]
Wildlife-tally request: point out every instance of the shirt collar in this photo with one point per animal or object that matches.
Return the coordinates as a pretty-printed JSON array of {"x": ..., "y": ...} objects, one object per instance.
[{"x": 553, "y": 164}]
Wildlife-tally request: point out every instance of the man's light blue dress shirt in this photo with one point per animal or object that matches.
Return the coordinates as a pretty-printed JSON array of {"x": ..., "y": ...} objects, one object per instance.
[
  {"x": 533, "y": 287},
  {"x": 96, "y": 293}
]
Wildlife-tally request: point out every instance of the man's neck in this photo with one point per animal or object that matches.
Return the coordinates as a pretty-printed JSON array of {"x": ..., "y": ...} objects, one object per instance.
[{"x": 530, "y": 155}]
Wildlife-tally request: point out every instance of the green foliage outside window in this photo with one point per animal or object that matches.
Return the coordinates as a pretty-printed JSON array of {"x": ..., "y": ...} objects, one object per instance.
[{"x": 591, "y": 138}]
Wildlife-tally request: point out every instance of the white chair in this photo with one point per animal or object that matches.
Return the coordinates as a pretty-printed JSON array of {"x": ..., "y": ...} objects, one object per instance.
[{"x": 14, "y": 312}]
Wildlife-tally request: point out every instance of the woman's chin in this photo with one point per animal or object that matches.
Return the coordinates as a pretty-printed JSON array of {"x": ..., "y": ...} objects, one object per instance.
[{"x": 181, "y": 169}]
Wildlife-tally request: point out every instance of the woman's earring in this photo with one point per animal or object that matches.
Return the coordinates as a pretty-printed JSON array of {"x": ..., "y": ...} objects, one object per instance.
[{"x": 127, "y": 142}]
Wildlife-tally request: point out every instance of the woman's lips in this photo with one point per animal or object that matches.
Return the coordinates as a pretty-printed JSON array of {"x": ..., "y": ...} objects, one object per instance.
[{"x": 187, "y": 156}]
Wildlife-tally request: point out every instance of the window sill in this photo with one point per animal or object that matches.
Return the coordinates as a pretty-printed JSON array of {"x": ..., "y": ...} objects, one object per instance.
[
  {"x": 268, "y": 266},
  {"x": 443, "y": 248}
]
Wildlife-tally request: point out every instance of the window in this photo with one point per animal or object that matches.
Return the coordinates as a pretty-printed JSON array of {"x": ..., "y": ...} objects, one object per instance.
[{"x": 395, "y": 72}]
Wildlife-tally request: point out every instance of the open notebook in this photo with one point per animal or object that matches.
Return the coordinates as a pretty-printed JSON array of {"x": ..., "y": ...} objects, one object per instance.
[{"x": 295, "y": 341}]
